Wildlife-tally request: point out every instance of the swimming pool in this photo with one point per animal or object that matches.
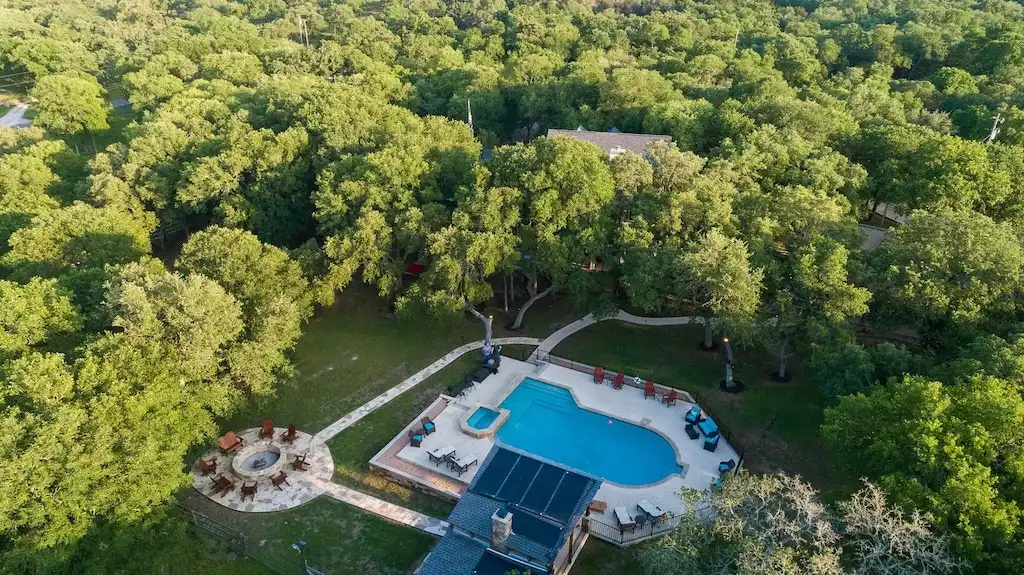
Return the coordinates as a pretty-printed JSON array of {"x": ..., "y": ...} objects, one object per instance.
[
  {"x": 546, "y": 421},
  {"x": 482, "y": 418}
]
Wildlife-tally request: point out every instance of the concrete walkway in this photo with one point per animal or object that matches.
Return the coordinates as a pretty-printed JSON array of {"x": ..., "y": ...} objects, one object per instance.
[
  {"x": 389, "y": 511},
  {"x": 556, "y": 338},
  {"x": 15, "y": 117},
  {"x": 374, "y": 404}
]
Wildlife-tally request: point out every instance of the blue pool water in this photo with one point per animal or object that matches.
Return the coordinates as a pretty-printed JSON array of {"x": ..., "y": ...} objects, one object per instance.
[
  {"x": 546, "y": 421},
  {"x": 482, "y": 418}
]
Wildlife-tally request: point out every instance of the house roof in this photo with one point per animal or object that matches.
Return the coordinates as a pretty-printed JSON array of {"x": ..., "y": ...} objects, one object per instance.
[
  {"x": 546, "y": 501},
  {"x": 458, "y": 554},
  {"x": 613, "y": 143}
]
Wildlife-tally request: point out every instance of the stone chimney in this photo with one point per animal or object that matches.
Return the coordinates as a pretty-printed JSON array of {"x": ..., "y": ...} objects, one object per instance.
[{"x": 501, "y": 528}]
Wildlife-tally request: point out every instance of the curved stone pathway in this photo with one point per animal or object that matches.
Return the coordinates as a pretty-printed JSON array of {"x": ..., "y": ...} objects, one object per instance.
[
  {"x": 556, "y": 338},
  {"x": 412, "y": 381}
]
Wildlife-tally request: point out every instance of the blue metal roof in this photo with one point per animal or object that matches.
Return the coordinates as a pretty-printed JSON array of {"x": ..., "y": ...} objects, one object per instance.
[
  {"x": 546, "y": 501},
  {"x": 458, "y": 554}
]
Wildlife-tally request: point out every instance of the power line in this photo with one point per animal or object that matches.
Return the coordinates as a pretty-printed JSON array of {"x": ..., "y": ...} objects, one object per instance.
[
  {"x": 16, "y": 84},
  {"x": 16, "y": 74}
]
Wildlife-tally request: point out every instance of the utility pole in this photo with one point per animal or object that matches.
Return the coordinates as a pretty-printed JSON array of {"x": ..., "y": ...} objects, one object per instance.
[
  {"x": 303, "y": 32},
  {"x": 997, "y": 122}
]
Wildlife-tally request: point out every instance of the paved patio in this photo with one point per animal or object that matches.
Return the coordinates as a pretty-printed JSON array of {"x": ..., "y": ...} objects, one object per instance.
[
  {"x": 303, "y": 485},
  {"x": 700, "y": 467}
]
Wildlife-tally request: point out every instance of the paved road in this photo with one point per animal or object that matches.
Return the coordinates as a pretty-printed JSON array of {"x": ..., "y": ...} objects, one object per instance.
[{"x": 15, "y": 118}]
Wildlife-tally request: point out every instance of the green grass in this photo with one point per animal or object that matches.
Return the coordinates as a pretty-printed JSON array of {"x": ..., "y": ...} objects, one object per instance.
[
  {"x": 353, "y": 448},
  {"x": 90, "y": 143},
  {"x": 341, "y": 539},
  {"x": 600, "y": 558},
  {"x": 775, "y": 423},
  {"x": 329, "y": 384},
  {"x": 357, "y": 349}
]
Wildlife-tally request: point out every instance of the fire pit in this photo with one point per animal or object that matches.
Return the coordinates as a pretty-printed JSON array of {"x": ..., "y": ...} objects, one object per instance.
[{"x": 257, "y": 461}]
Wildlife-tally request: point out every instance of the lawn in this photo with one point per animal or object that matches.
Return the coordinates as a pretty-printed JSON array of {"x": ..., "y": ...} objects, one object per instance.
[
  {"x": 341, "y": 539},
  {"x": 600, "y": 558},
  {"x": 357, "y": 349},
  {"x": 775, "y": 423},
  {"x": 349, "y": 354}
]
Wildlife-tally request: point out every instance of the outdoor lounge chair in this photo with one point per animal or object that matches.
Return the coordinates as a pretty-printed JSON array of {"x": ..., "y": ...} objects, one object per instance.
[
  {"x": 229, "y": 442},
  {"x": 223, "y": 485},
  {"x": 428, "y": 426},
  {"x": 277, "y": 480},
  {"x": 599, "y": 374},
  {"x": 415, "y": 438},
  {"x": 208, "y": 466},
  {"x": 460, "y": 465},
  {"x": 619, "y": 378},
  {"x": 693, "y": 415},
  {"x": 290, "y": 435},
  {"x": 249, "y": 490},
  {"x": 711, "y": 443},
  {"x": 653, "y": 511},
  {"x": 727, "y": 466},
  {"x": 624, "y": 519},
  {"x": 671, "y": 398},
  {"x": 267, "y": 430},
  {"x": 649, "y": 390},
  {"x": 300, "y": 463}
]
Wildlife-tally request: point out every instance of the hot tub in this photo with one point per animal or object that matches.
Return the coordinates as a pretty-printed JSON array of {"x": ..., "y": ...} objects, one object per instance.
[
  {"x": 482, "y": 418},
  {"x": 483, "y": 421}
]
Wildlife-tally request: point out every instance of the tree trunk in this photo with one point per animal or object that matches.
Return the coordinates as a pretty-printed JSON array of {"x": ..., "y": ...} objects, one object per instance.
[
  {"x": 504, "y": 290},
  {"x": 487, "y": 321},
  {"x": 782, "y": 359},
  {"x": 533, "y": 299},
  {"x": 707, "y": 331}
]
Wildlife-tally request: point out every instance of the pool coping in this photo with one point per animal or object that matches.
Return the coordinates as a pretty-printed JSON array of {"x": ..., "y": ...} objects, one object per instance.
[{"x": 675, "y": 448}]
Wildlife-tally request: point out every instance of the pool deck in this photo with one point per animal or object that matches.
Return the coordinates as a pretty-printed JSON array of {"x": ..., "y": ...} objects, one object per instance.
[{"x": 628, "y": 404}]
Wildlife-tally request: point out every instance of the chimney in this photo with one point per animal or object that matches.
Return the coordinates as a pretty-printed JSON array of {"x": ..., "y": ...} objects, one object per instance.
[{"x": 501, "y": 528}]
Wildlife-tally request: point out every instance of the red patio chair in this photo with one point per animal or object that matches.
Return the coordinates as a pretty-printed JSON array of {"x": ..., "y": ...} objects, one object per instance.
[
  {"x": 300, "y": 463},
  {"x": 267, "y": 430},
  {"x": 290, "y": 435},
  {"x": 670, "y": 399},
  {"x": 229, "y": 442},
  {"x": 619, "y": 378},
  {"x": 598, "y": 374},
  {"x": 249, "y": 490},
  {"x": 277, "y": 480},
  {"x": 649, "y": 390},
  {"x": 208, "y": 466}
]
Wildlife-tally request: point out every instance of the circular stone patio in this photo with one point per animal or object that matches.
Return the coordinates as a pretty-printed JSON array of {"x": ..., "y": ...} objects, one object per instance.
[{"x": 303, "y": 485}]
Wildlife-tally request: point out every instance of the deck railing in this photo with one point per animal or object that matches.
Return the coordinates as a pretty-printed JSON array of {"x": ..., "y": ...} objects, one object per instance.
[{"x": 622, "y": 537}]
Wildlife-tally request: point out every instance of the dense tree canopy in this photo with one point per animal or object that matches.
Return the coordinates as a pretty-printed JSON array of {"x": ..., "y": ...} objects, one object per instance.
[{"x": 154, "y": 275}]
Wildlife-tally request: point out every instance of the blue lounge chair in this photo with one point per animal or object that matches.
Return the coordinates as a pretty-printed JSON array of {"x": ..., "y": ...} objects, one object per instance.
[
  {"x": 711, "y": 443},
  {"x": 693, "y": 416},
  {"x": 708, "y": 428}
]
